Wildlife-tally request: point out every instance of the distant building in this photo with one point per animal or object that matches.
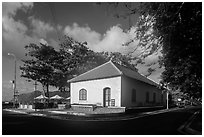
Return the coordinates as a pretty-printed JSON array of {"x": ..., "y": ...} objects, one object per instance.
[{"x": 111, "y": 84}]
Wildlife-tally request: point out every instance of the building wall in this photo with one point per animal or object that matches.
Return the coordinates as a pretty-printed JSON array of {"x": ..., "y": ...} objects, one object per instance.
[
  {"x": 128, "y": 84},
  {"x": 95, "y": 91}
]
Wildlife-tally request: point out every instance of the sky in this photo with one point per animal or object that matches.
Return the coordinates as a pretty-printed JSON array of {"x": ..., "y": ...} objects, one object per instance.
[{"x": 24, "y": 23}]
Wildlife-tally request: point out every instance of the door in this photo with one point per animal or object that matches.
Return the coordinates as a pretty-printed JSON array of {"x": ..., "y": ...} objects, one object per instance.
[{"x": 106, "y": 97}]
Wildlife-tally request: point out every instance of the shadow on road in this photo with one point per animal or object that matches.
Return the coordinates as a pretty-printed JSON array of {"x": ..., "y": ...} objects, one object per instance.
[{"x": 159, "y": 124}]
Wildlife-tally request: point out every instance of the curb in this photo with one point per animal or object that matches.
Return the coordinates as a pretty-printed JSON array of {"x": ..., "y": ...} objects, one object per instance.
[
  {"x": 22, "y": 112},
  {"x": 99, "y": 117},
  {"x": 160, "y": 111},
  {"x": 69, "y": 113},
  {"x": 38, "y": 114},
  {"x": 58, "y": 112},
  {"x": 111, "y": 117},
  {"x": 16, "y": 111},
  {"x": 85, "y": 114}
]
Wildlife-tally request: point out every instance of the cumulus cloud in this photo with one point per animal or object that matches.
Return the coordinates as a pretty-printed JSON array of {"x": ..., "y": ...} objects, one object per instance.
[
  {"x": 83, "y": 33},
  {"x": 15, "y": 32},
  {"x": 40, "y": 28},
  {"x": 10, "y": 8},
  {"x": 111, "y": 41}
]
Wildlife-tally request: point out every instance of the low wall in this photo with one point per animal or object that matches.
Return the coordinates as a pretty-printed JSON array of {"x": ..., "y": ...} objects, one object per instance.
[
  {"x": 93, "y": 109},
  {"x": 82, "y": 108},
  {"x": 109, "y": 110},
  {"x": 61, "y": 106}
]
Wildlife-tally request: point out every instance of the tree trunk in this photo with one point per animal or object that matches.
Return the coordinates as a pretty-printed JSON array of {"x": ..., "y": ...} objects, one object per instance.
[
  {"x": 47, "y": 86},
  {"x": 44, "y": 93}
]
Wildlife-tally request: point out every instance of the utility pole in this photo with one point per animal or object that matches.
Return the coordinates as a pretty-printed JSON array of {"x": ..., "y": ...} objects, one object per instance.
[
  {"x": 14, "y": 81},
  {"x": 35, "y": 88},
  {"x": 167, "y": 95},
  {"x": 167, "y": 99},
  {"x": 164, "y": 87}
]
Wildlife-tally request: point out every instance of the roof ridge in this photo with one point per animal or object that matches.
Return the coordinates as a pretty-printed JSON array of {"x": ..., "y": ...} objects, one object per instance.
[
  {"x": 95, "y": 69},
  {"x": 126, "y": 67},
  {"x": 149, "y": 78},
  {"x": 121, "y": 73}
]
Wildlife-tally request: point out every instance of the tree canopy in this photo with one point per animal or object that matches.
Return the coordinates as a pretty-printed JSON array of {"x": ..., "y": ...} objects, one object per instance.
[
  {"x": 177, "y": 27},
  {"x": 39, "y": 66},
  {"x": 53, "y": 67},
  {"x": 180, "y": 26}
]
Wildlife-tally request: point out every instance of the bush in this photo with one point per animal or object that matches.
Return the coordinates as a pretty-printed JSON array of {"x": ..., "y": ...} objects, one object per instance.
[
  {"x": 39, "y": 105},
  {"x": 67, "y": 106}
]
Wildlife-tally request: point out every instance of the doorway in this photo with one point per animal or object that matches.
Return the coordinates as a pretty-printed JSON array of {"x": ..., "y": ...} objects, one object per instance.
[{"x": 106, "y": 97}]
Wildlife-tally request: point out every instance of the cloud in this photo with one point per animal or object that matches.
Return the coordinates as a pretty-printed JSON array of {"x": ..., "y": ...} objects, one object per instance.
[
  {"x": 154, "y": 57},
  {"x": 10, "y": 8},
  {"x": 14, "y": 36},
  {"x": 40, "y": 28},
  {"x": 83, "y": 34},
  {"x": 111, "y": 41},
  {"x": 15, "y": 32},
  {"x": 44, "y": 42}
]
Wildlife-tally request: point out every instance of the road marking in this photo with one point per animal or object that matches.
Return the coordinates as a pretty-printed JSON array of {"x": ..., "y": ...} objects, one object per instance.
[{"x": 185, "y": 128}]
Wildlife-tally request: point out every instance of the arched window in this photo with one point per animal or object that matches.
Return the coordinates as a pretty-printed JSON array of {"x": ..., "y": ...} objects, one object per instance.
[{"x": 82, "y": 94}]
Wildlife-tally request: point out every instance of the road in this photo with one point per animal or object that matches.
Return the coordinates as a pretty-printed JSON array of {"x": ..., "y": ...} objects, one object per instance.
[{"x": 158, "y": 124}]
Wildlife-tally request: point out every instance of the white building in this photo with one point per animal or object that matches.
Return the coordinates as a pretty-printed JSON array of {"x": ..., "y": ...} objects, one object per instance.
[{"x": 111, "y": 84}]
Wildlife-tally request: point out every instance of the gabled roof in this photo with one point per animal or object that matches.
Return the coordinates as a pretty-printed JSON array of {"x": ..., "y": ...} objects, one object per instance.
[
  {"x": 111, "y": 69},
  {"x": 105, "y": 70}
]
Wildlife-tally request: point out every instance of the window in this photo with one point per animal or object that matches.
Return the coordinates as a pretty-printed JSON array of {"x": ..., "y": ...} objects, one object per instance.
[
  {"x": 82, "y": 94},
  {"x": 112, "y": 102},
  {"x": 133, "y": 95},
  {"x": 154, "y": 97},
  {"x": 161, "y": 98},
  {"x": 147, "y": 97}
]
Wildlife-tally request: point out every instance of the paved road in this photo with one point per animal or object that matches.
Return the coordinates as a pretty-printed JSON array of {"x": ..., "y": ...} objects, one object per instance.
[{"x": 158, "y": 124}]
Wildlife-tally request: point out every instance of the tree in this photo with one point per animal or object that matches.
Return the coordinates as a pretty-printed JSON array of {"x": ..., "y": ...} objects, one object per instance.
[
  {"x": 180, "y": 26},
  {"x": 177, "y": 27},
  {"x": 71, "y": 57},
  {"x": 75, "y": 58},
  {"x": 39, "y": 65},
  {"x": 53, "y": 68}
]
